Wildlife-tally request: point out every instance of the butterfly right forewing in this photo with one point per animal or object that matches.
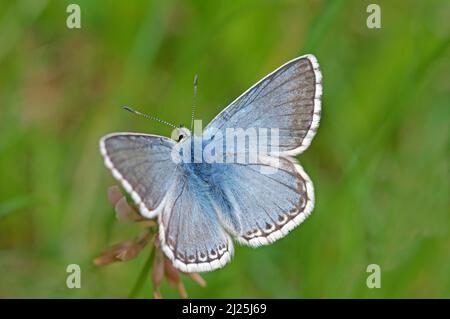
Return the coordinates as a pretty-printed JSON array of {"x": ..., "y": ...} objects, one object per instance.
[{"x": 288, "y": 99}]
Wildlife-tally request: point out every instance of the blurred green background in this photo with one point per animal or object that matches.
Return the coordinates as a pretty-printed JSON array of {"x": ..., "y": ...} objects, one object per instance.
[{"x": 379, "y": 162}]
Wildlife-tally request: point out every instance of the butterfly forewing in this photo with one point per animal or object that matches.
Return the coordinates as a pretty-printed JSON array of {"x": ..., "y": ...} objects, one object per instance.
[
  {"x": 142, "y": 164},
  {"x": 287, "y": 99}
]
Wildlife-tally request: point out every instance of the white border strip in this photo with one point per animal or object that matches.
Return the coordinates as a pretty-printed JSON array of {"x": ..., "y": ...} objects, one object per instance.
[
  {"x": 316, "y": 110},
  {"x": 196, "y": 267}
]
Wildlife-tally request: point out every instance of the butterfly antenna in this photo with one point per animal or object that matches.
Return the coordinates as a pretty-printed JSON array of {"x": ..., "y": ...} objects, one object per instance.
[
  {"x": 194, "y": 100},
  {"x": 131, "y": 110}
]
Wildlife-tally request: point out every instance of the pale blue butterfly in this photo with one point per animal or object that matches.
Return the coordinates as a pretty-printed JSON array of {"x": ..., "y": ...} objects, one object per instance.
[{"x": 201, "y": 206}]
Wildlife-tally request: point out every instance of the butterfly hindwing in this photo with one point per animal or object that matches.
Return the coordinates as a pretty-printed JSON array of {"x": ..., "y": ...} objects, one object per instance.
[
  {"x": 261, "y": 207},
  {"x": 190, "y": 232}
]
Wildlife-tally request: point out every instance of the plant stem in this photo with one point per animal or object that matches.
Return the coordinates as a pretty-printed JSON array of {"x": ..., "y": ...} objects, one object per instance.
[{"x": 144, "y": 273}]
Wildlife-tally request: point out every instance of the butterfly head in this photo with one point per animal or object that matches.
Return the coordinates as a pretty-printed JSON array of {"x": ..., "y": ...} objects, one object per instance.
[{"x": 180, "y": 133}]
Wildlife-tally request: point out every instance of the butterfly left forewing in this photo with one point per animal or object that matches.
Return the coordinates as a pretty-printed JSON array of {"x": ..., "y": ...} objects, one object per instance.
[{"x": 142, "y": 164}]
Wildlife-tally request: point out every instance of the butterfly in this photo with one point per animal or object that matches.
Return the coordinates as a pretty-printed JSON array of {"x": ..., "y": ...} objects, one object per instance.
[{"x": 202, "y": 206}]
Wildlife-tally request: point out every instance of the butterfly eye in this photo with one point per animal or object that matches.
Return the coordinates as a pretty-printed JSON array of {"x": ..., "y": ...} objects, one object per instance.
[{"x": 180, "y": 137}]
